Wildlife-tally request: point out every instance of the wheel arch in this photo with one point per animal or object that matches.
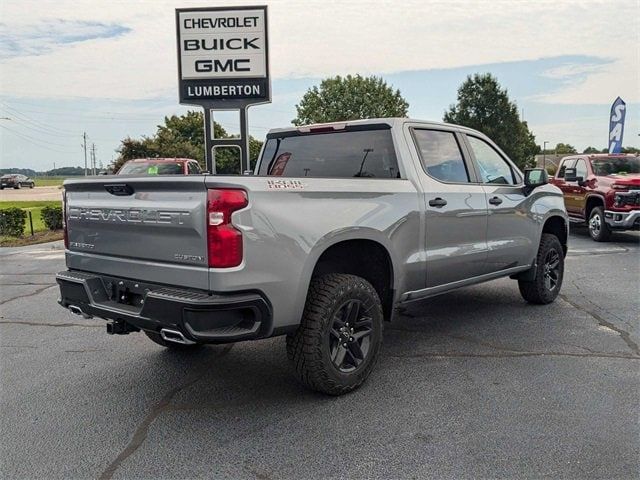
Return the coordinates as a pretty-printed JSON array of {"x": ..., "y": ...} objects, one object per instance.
[
  {"x": 592, "y": 201},
  {"x": 559, "y": 226},
  {"x": 367, "y": 254}
]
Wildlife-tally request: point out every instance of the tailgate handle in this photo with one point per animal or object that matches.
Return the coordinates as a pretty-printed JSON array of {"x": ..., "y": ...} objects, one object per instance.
[{"x": 120, "y": 189}]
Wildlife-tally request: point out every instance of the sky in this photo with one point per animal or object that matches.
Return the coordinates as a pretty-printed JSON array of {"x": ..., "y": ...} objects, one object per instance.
[{"x": 109, "y": 68}]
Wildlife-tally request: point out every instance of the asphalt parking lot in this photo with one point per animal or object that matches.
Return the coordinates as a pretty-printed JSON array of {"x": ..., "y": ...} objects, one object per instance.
[{"x": 473, "y": 384}]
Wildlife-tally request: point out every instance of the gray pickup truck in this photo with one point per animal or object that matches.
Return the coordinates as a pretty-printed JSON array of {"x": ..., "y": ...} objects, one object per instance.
[{"x": 338, "y": 226}]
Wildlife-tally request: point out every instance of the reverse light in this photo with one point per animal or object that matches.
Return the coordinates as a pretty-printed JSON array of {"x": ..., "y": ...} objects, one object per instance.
[{"x": 224, "y": 241}]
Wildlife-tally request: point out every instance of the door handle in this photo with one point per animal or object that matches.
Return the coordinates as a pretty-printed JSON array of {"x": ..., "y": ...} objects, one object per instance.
[
  {"x": 437, "y": 202},
  {"x": 495, "y": 201}
]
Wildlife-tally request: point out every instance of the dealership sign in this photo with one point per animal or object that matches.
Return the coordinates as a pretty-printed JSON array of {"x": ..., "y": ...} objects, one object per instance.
[
  {"x": 223, "y": 56},
  {"x": 616, "y": 125}
]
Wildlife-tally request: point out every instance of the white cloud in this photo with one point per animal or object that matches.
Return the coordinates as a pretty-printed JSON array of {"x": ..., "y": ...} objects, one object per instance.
[{"x": 318, "y": 38}]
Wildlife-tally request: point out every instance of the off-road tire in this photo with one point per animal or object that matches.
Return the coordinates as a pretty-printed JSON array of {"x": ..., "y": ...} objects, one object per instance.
[
  {"x": 308, "y": 348},
  {"x": 602, "y": 233},
  {"x": 536, "y": 291},
  {"x": 156, "y": 338}
]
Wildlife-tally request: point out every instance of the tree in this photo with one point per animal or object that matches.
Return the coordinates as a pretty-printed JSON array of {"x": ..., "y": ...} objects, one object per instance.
[
  {"x": 564, "y": 148},
  {"x": 349, "y": 98},
  {"x": 484, "y": 106},
  {"x": 590, "y": 149},
  {"x": 183, "y": 136}
]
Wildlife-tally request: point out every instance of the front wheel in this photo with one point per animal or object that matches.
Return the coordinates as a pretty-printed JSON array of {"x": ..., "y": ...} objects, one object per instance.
[
  {"x": 544, "y": 288},
  {"x": 598, "y": 229},
  {"x": 337, "y": 344}
]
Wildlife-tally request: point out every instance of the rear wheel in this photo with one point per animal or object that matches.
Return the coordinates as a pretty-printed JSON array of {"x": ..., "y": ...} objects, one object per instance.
[
  {"x": 18, "y": 186},
  {"x": 544, "y": 288},
  {"x": 156, "y": 338},
  {"x": 598, "y": 229},
  {"x": 337, "y": 344}
]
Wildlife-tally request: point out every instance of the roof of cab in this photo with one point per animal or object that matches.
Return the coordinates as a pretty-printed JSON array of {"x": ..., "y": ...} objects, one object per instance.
[
  {"x": 391, "y": 121},
  {"x": 149, "y": 159}
]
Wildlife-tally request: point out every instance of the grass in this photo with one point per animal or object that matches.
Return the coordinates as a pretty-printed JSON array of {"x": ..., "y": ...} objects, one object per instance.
[
  {"x": 48, "y": 181},
  {"x": 38, "y": 237},
  {"x": 35, "y": 207}
]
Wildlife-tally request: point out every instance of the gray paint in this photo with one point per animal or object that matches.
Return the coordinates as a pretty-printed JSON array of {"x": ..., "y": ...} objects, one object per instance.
[{"x": 285, "y": 231}]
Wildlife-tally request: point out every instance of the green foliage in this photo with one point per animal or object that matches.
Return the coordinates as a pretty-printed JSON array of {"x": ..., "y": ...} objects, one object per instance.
[
  {"x": 183, "y": 136},
  {"x": 591, "y": 150},
  {"x": 483, "y": 105},
  {"x": 52, "y": 217},
  {"x": 564, "y": 148},
  {"x": 349, "y": 98},
  {"x": 606, "y": 150},
  {"x": 551, "y": 169},
  {"x": 12, "y": 221}
]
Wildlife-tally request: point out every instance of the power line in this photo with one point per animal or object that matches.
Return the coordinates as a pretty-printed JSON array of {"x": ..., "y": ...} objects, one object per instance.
[
  {"x": 35, "y": 122},
  {"x": 35, "y": 141}
]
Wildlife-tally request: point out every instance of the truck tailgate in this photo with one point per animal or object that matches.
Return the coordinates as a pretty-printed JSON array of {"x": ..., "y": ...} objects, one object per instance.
[{"x": 138, "y": 227}]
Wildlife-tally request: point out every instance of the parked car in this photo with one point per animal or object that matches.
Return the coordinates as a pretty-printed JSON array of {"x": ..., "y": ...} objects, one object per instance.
[
  {"x": 601, "y": 190},
  {"x": 15, "y": 180},
  {"x": 340, "y": 224},
  {"x": 160, "y": 166}
]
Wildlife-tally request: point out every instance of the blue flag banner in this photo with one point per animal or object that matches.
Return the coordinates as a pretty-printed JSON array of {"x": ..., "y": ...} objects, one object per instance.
[{"x": 616, "y": 125}]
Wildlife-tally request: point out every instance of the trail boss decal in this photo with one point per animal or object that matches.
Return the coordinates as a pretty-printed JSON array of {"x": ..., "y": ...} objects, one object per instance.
[
  {"x": 222, "y": 54},
  {"x": 285, "y": 185}
]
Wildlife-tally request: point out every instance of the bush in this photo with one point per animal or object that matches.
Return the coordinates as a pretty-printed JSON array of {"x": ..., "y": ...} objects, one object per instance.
[
  {"x": 52, "y": 217},
  {"x": 12, "y": 221},
  {"x": 551, "y": 170}
]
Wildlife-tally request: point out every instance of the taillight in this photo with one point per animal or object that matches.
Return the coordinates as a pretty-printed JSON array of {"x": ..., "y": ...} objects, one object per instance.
[
  {"x": 224, "y": 241},
  {"x": 64, "y": 219}
]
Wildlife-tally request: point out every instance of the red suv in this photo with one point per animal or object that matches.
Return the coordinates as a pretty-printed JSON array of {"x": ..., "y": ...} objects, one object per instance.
[{"x": 602, "y": 190}]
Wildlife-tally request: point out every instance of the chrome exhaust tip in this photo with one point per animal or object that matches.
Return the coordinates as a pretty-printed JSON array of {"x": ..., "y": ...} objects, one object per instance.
[
  {"x": 78, "y": 311},
  {"x": 175, "y": 336}
]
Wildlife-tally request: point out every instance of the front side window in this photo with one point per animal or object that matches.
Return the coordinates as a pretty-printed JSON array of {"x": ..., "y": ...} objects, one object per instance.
[
  {"x": 493, "y": 168},
  {"x": 194, "y": 168},
  {"x": 566, "y": 164},
  {"x": 340, "y": 154},
  {"x": 581, "y": 169},
  {"x": 441, "y": 156}
]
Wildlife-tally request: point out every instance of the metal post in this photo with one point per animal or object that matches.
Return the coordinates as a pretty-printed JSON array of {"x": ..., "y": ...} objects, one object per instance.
[
  {"x": 209, "y": 153},
  {"x": 30, "y": 221},
  {"x": 245, "y": 163}
]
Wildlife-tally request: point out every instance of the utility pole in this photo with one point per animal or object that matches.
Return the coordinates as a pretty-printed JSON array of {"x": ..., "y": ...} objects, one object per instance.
[
  {"x": 84, "y": 138},
  {"x": 93, "y": 159}
]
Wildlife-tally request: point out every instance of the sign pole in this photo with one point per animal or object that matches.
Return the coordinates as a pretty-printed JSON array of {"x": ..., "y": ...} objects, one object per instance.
[
  {"x": 209, "y": 155},
  {"x": 245, "y": 162}
]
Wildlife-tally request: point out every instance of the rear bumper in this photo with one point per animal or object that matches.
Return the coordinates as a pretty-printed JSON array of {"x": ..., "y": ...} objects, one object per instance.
[
  {"x": 199, "y": 316},
  {"x": 623, "y": 220}
]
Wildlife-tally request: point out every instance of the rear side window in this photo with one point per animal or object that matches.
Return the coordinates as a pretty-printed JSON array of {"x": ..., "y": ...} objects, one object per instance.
[
  {"x": 441, "y": 156},
  {"x": 347, "y": 154},
  {"x": 194, "y": 168}
]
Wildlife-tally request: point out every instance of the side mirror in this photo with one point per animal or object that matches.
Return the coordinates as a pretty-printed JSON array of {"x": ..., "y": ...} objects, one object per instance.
[
  {"x": 535, "y": 177},
  {"x": 570, "y": 176}
]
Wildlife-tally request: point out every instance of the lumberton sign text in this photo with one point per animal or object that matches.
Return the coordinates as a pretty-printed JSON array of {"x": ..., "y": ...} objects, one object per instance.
[{"x": 223, "y": 55}]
